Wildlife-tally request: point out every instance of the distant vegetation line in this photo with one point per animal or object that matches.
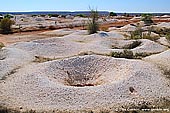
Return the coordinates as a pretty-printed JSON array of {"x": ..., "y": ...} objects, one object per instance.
[{"x": 75, "y": 13}]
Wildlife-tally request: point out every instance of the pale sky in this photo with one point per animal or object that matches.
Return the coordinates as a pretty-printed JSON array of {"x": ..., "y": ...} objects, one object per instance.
[{"x": 81, "y": 5}]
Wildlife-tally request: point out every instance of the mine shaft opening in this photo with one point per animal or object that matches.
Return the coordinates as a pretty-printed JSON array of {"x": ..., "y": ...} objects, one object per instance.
[
  {"x": 82, "y": 85},
  {"x": 83, "y": 82}
]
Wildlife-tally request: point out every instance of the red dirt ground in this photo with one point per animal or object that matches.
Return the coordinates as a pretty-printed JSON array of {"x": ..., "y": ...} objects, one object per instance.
[{"x": 8, "y": 39}]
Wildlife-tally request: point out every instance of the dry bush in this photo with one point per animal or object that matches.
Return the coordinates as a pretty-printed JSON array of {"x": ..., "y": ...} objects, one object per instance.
[
  {"x": 5, "y": 26},
  {"x": 129, "y": 54},
  {"x": 93, "y": 25},
  {"x": 147, "y": 18},
  {"x": 140, "y": 34},
  {"x": 125, "y": 54},
  {"x": 168, "y": 37},
  {"x": 137, "y": 34},
  {"x": 1, "y": 45}
]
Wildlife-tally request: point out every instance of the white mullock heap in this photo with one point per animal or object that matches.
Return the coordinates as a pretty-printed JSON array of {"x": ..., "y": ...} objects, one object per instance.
[{"x": 75, "y": 83}]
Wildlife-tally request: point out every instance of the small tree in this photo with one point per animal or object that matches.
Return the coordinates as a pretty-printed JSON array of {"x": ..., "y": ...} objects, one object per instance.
[
  {"x": 112, "y": 14},
  {"x": 93, "y": 25},
  {"x": 5, "y": 25},
  {"x": 147, "y": 18}
]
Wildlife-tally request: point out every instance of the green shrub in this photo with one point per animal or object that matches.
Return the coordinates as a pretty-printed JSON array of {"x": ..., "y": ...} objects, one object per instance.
[
  {"x": 141, "y": 55},
  {"x": 5, "y": 25},
  {"x": 53, "y": 15},
  {"x": 125, "y": 54},
  {"x": 163, "y": 32},
  {"x": 40, "y": 59},
  {"x": 137, "y": 34},
  {"x": 140, "y": 34},
  {"x": 129, "y": 54},
  {"x": 93, "y": 25},
  {"x": 112, "y": 14},
  {"x": 81, "y": 15},
  {"x": 33, "y": 15},
  {"x": 168, "y": 37},
  {"x": 148, "y": 36},
  {"x": 147, "y": 18},
  {"x": 1, "y": 45},
  {"x": 159, "y": 31},
  {"x": 42, "y": 15}
]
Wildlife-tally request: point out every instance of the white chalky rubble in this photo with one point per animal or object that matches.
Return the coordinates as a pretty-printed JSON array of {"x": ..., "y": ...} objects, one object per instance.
[
  {"x": 150, "y": 47},
  {"x": 164, "y": 41},
  {"x": 70, "y": 45},
  {"x": 128, "y": 28},
  {"x": 60, "y": 32},
  {"x": 162, "y": 60},
  {"x": 163, "y": 25},
  {"x": 83, "y": 84},
  {"x": 77, "y": 83},
  {"x": 74, "y": 44},
  {"x": 11, "y": 59}
]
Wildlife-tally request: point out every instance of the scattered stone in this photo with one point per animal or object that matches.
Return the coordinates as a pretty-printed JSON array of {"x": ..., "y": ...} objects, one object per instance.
[
  {"x": 12, "y": 59},
  {"x": 164, "y": 41},
  {"x": 101, "y": 82},
  {"x": 56, "y": 74},
  {"x": 163, "y": 25},
  {"x": 162, "y": 60},
  {"x": 128, "y": 28}
]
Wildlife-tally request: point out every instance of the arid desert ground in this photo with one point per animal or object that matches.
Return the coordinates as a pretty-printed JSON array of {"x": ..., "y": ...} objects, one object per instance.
[{"x": 53, "y": 65}]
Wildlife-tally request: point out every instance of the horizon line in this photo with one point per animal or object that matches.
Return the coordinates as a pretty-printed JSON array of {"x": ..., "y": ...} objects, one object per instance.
[{"x": 80, "y": 11}]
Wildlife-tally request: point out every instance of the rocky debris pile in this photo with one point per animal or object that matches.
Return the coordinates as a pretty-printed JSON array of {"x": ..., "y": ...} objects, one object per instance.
[
  {"x": 11, "y": 59},
  {"x": 162, "y": 60},
  {"x": 56, "y": 74},
  {"x": 150, "y": 47},
  {"x": 59, "y": 33},
  {"x": 50, "y": 48},
  {"x": 74, "y": 44},
  {"x": 163, "y": 25},
  {"x": 164, "y": 41},
  {"x": 128, "y": 28},
  {"x": 104, "y": 84}
]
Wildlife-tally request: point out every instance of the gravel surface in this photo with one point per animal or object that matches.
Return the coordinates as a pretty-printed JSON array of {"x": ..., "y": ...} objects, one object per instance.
[
  {"x": 149, "y": 47},
  {"x": 74, "y": 44},
  {"x": 68, "y": 79},
  {"x": 162, "y": 60},
  {"x": 84, "y": 83},
  {"x": 164, "y": 41},
  {"x": 12, "y": 59},
  {"x": 60, "y": 32},
  {"x": 128, "y": 28}
]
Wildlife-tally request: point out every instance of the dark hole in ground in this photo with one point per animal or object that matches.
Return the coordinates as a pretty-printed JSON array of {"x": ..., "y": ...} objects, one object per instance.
[{"x": 82, "y": 85}]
